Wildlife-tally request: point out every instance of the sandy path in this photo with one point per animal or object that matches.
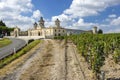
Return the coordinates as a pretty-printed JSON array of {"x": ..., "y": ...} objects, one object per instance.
[
  {"x": 50, "y": 61},
  {"x": 76, "y": 65}
]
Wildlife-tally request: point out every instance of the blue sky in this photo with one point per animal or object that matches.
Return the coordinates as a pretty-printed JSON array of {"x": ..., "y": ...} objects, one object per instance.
[
  {"x": 51, "y": 7},
  {"x": 75, "y": 14}
]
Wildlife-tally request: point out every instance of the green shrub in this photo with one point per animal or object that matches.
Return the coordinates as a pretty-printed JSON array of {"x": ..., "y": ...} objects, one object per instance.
[{"x": 31, "y": 40}]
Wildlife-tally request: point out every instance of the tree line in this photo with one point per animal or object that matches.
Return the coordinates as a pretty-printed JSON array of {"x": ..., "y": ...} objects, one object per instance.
[{"x": 4, "y": 30}]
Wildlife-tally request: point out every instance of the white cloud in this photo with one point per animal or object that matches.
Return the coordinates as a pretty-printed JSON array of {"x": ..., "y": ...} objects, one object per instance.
[
  {"x": 80, "y": 24},
  {"x": 116, "y": 22},
  {"x": 73, "y": 17},
  {"x": 12, "y": 13},
  {"x": 112, "y": 24},
  {"x": 117, "y": 30},
  {"x": 81, "y": 8},
  {"x": 66, "y": 20},
  {"x": 112, "y": 16},
  {"x": 36, "y": 14}
]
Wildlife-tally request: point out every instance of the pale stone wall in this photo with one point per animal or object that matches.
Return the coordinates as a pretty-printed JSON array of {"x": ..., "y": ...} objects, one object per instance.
[
  {"x": 35, "y": 32},
  {"x": 94, "y": 30},
  {"x": 59, "y": 32},
  {"x": 12, "y": 33},
  {"x": 50, "y": 32},
  {"x": 16, "y": 31}
]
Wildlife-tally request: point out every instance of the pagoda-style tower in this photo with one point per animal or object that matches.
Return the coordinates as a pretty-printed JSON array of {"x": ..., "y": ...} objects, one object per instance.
[
  {"x": 57, "y": 23},
  {"x": 41, "y": 22},
  {"x": 35, "y": 25}
]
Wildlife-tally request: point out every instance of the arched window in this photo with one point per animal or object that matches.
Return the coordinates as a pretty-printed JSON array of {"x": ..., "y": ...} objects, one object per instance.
[
  {"x": 38, "y": 33},
  {"x": 55, "y": 30}
]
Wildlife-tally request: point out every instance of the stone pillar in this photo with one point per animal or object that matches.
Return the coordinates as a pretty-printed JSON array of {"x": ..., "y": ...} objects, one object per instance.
[{"x": 29, "y": 32}]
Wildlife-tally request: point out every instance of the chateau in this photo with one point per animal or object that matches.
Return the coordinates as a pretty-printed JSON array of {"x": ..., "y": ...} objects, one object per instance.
[{"x": 39, "y": 30}]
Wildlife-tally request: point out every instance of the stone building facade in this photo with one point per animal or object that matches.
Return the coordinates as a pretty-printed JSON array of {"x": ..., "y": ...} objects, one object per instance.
[
  {"x": 49, "y": 32},
  {"x": 17, "y": 32}
]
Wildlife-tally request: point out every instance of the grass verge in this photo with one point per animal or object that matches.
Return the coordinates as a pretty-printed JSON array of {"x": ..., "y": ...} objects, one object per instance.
[
  {"x": 27, "y": 48},
  {"x": 5, "y": 42}
]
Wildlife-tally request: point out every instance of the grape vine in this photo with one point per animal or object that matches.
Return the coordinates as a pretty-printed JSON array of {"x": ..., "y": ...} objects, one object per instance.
[{"x": 95, "y": 47}]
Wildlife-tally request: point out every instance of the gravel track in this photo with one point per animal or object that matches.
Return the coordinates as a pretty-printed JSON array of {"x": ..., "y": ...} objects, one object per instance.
[{"x": 51, "y": 61}]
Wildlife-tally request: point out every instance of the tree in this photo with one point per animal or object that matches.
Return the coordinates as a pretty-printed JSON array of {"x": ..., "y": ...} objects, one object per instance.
[
  {"x": 2, "y": 23},
  {"x": 100, "y": 31},
  {"x": 4, "y": 29}
]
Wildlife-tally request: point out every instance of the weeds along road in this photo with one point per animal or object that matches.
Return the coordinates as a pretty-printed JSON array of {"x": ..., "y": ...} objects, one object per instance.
[
  {"x": 16, "y": 44},
  {"x": 51, "y": 60}
]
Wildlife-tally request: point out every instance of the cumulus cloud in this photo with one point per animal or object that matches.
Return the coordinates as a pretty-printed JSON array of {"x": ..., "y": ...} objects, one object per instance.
[
  {"x": 12, "y": 13},
  {"x": 80, "y": 24},
  {"x": 116, "y": 22},
  {"x": 36, "y": 14},
  {"x": 74, "y": 16},
  {"x": 66, "y": 20},
  {"x": 83, "y": 8},
  {"x": 112, "y": 24},
  {"x": 112, "y": 16}
]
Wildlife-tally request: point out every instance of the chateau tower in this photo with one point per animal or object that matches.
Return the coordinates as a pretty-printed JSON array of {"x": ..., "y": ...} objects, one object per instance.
[
  {"x": 95, "y": 30},
  {"x": 57, "y": 22},
  {"x": 41, "y": 22},
  {"x": 35, "y": 25}
]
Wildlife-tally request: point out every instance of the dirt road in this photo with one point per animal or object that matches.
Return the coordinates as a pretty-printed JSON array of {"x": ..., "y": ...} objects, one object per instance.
[{"x": 52, "y": 60}]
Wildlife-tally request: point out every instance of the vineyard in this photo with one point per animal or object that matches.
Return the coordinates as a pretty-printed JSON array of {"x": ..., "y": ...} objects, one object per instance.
[{"x": 95, "y": 48}]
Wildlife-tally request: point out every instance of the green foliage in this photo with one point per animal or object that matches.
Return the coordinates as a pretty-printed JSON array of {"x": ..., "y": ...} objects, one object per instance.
[
  {"x": 100, "y": 31},
  {"x": 5, "y": 42},
  {"x": 18, "y": 54},
  {"x": 59, "y": 37},
  {"x": 95, "y": 47},
  {"x": 31, "y": 40},
  {"x": 116, "y": 55},
  {"x": 4, "y": 29},
  {"x": 2, "y": 23}
]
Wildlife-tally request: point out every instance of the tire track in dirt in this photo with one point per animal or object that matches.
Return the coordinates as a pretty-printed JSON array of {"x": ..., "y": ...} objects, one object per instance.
[{"x": 49, "y": 62}]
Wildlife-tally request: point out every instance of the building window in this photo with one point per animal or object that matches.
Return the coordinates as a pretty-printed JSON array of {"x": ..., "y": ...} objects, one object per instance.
[
  {"x": 59, "y": 30},
  {"x": 55, "y": 30},
  {"x": 38, "y": 33},
  {"x": 63, "y": 30},
  {"x": 59, "y": 35},
  {"x": 55, "y": 35}
]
